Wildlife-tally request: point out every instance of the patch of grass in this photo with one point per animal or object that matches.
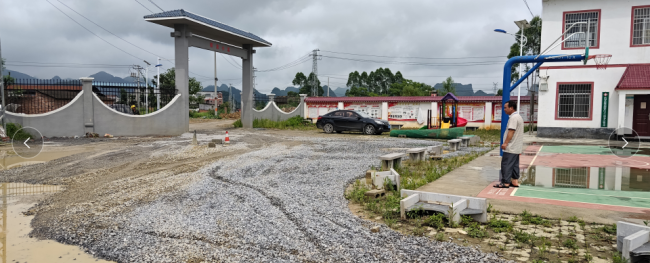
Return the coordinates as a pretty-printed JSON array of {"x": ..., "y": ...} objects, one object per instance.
[
  {"x": 492, "y": 135},
  {"x": 476, "y": 231},
  {"x": 203, "y": 115},
  {"x": 498, "y": 225},
  {"x": 609, "y": 229},
  {"x": 440, "y": 236},
  {"x": 293, "y": 123},
  {"x": 436, "y": 221},
  {"x": 573, "y": 219},
  {"x": 570, "y": 243},
  {"x": 523, "y": 237},
  {"x": 14, "y": 132},
  {"x": 358, "y": 193},
  {"x": 238, "y": 124},
  {"x": 617, "y": 257}
]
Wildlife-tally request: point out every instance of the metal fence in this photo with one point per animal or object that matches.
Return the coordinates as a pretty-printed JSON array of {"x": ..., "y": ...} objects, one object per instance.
[
  {"x": 123, "y": 96},
  {"x": 35, "y": 96},
  {"x": 283, "y": 102}
]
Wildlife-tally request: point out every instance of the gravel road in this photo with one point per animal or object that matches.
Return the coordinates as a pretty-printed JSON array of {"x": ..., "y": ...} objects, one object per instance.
[{"x": 266, "y": 198}]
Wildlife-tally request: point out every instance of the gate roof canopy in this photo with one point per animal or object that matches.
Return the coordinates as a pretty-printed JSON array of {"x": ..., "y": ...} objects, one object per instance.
[{"x": 208, "y": 28}]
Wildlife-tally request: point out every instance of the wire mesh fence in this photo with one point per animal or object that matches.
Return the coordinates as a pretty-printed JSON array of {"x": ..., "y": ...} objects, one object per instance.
[
  {"x": 36, "y": 96},
  {"x": 285, "y": 103},
  {"x": 130, "y": 98}
]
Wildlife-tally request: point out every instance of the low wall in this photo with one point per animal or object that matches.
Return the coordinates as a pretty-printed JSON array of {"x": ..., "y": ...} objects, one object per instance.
[
  {"x": 87, "y": 113},
  {"x": 562, "y": 132},
  {"x": 64, "y": 121},
  {"x": 274, "y": 113}
]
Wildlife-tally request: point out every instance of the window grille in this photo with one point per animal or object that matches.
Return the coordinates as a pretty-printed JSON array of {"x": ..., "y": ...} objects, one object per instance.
[
  {"x": 641, "y": 26},
  {"x": 591, "y": 29},
  {"x": 571, "y": 177},
  {"x": 574, "y": 100}
]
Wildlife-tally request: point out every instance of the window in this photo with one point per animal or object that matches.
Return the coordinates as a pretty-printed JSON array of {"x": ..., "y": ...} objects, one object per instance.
[
  {"x": 337, "y": 114},
  {"x": 574, "y": 101},
  {"x": 571, "y": 177},
  {"x": 589, "y": 29},
  {"x": 640, "y": 26}
]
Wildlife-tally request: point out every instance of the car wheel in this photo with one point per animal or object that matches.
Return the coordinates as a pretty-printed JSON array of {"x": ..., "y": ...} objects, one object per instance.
[
  {"x": 369, "y": 129},
  {"x": 339, "y": 131},
  {"x": 328, "y": 128}
]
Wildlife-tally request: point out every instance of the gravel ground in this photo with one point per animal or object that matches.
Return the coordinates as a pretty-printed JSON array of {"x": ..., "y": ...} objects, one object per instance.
[{"x": 278, "y": 201}]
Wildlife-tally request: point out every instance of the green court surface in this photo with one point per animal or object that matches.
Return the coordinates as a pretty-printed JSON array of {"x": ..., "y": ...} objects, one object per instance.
[
  {"x": 593, "y": 196},
  {"x": 581, "y": 149}
]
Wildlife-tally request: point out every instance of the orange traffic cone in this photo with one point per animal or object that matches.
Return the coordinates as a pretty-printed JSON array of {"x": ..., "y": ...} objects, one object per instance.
[{"x": 227, "y": 140}]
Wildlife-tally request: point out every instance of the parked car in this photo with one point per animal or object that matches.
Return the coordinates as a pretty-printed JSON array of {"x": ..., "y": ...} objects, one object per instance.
[{"x": 347, "y": 120}]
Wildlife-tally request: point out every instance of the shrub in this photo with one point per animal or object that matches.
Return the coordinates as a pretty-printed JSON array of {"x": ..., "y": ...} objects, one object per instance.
[
  {"x": 499, "y": 225},
  {"x": 15, "y": 133},
  {"x": 238, "y": 124}
]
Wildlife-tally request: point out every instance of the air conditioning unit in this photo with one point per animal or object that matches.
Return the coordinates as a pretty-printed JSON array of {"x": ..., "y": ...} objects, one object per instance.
[{"x": 543, "y": 84}]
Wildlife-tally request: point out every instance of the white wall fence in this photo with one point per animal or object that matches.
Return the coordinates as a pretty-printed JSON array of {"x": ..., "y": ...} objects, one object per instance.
[{"x": 87, "y": 113}]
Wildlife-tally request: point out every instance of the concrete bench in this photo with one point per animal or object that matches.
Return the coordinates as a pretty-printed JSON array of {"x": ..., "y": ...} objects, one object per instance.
[
  {"x": 390, "y": 161},
  {"x": 454, "y": 145},
  {"x": 632, "y": 240},
  {"x": 378, "y": 178},
  {"x": 416, "y": 154},
  {"x": 455, "y": 205},
  {"x": 434, "y": 151},
  {"x": 473, "y": 139},
  {"x": 464, "y": 141}
]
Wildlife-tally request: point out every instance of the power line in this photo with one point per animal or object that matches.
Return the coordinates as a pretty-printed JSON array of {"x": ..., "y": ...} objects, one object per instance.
[
  {"x": 483, "y": 63},
  {"x": 406, "y": 57},
  {"x": 224, "y": 57},
  {"x": 111, "y": 32},
  {"x": 93, "y": 32},
  {"x": 531, "y": 12},
  {"x": 294, "y": 63},
  {"x": 156, "y": 5},
  {"x": 144, "y": 6}
]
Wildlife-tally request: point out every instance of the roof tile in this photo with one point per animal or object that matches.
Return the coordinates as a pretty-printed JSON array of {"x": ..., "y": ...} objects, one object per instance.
[
  {"x": 636, "y": 76},
  {"x": 181, "y": 12}
]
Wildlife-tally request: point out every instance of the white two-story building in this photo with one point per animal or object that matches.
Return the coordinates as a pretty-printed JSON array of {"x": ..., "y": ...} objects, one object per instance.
[{"x": 580, "y": 101}]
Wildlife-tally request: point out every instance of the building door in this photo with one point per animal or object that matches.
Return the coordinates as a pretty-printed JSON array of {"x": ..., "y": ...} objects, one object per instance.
[{"x": 641, "y": 113}]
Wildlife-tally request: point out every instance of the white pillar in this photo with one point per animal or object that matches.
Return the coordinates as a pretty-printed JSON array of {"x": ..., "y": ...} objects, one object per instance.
[
  {"x": 488, "y": 115},
  {"x": 340, "y": 106},
  {"x": 384, "y": 111},
  {"x": 621, "y": 112},
  {"x": 434, "y": 112},
  {"x": 618, "y": 178}
]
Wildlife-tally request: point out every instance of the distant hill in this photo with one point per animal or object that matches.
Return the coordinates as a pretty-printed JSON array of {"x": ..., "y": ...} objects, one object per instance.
[
  {"x": 279, "y": 92},
  {"x": 340, "y": 92},
  {"x": 464, "y": 90},
  {"x": 16, "y": 74},
  {"x": 223, "y": 88},
  {"x": 105, "y": 77}
]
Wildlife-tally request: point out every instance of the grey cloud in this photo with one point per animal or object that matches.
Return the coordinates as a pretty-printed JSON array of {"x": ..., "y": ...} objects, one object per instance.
[{"x": 35, "y": 31}]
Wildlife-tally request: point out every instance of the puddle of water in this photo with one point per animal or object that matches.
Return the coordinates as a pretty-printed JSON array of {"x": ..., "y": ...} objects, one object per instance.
[
  {"x": 600, "y": 178},
  {"x": 18, "y": 198},
  {"x": 13, "y": 161}
]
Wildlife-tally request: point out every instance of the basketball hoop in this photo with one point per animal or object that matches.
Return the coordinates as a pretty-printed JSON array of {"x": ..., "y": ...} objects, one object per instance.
[{"x": 602, "y": 60}]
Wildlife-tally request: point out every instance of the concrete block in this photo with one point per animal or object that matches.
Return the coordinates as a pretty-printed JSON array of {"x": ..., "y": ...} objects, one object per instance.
[
  {"x": 634, "y": 241},
  {"x": 468, "y": 202},
  {"x": 376, "y": 194},
  {"x": 211, "y": 145},
  {"x": 379, "y": 178},
  {"x": 217, "y": 141},
  {"x": 625, "y": 229},
  {"x": 464, "y": 141},
  {"x": 407, "y": 202}
]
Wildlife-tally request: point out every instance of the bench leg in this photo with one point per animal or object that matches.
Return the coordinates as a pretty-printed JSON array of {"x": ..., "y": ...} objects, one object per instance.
[
  {"x": 397, "y": 163},
  {"x": 386, "y": 165}
]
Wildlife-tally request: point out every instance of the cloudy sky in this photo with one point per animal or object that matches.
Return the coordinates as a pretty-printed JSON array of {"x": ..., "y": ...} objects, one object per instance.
[{"x": 449, "y": 36}]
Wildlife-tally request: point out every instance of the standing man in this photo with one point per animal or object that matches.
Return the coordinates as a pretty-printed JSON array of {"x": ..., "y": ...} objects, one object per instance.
[{"x": 512, "y": 147}]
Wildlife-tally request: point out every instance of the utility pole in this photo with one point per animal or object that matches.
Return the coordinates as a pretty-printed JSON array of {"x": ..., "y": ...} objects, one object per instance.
[
  {"x": 2, "y": 91},
  {"x": 314, "y": 69},
  {"x": 495, "y": 87},
  {"x": 146, "y": 88},
  {"x": 138, "y": 69},
  {"x": 328, "y": 86},
  {"x": 158, "y": 65},
  {"x": 215, "y": 81},
  {"x": 230, "y": 98}
]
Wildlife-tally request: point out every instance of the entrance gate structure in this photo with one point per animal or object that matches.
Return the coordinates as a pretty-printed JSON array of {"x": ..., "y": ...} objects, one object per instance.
[{"x": 191, "y": 30}]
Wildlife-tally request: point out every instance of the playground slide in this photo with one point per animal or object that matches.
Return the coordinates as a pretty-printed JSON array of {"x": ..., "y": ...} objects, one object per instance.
[{"x": 461, "y": 122}]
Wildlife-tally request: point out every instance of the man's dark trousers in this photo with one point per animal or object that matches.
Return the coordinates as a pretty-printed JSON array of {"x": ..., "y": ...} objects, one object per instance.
[{"x": 509, "y": 167}]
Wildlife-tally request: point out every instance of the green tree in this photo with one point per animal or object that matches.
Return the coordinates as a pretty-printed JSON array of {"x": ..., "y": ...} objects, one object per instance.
[
  {"x": 448, "y": 86},
  {"x": 409, "y": 87},
  {"x": 168, "y": 87},
  {"x": 293, "y": 94},
  {"x": 532, "y": 47},
  {"x": 375, "y": 83},
  {"x": 307, "y": 83},
  {"x": 499, "y": 92},
  {"x": 8, "y": 80}
]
